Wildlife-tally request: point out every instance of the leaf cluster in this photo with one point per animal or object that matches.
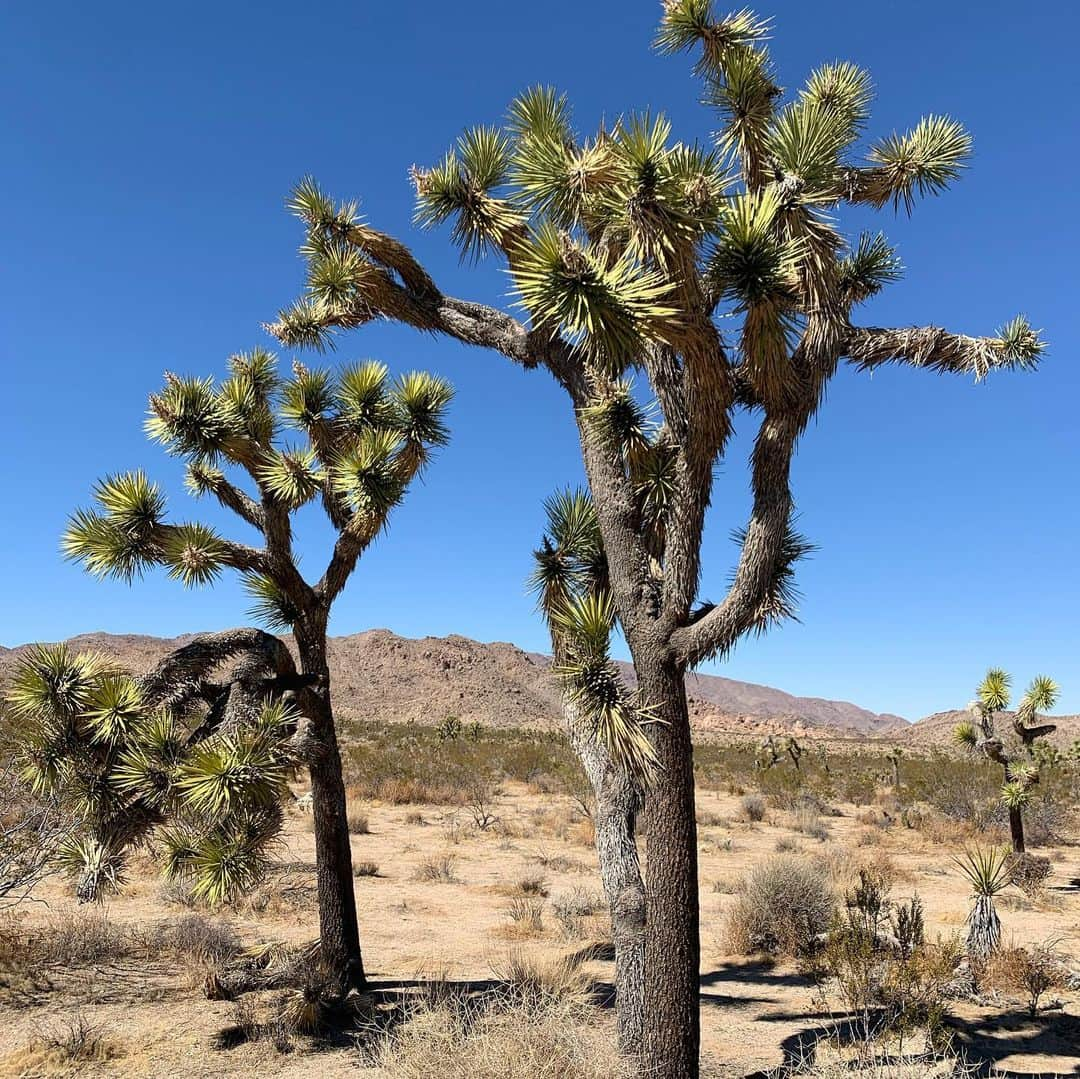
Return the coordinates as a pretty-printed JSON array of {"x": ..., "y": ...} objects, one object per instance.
[{"x": 129, "y": 772}]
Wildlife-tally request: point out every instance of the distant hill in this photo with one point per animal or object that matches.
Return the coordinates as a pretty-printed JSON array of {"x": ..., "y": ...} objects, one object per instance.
[
  {"x": 936, "y": 730},
  {"x": 381, "y": 676}
]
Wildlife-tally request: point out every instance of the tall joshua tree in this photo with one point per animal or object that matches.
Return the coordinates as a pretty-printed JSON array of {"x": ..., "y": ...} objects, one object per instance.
[
  {"x": 366, "y": 439},
  {"x": 1021, "y": 771},
  {"x": 628, "y": 251},
  {"x": 606, "y": 726}
]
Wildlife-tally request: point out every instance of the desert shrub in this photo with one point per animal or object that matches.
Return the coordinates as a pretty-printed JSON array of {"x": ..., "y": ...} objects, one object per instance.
[
  {"x": 1029, "y": 872},
  {"x": 358, "y": 823},
  {"x": 197, "y": 938},
  {"x": 1029, "y": 972},
  {"x": 365, "y": 869},
  {"x": 404, "y": 763},
  {"x": 415, "y": 817},
  {"x": 79, "y": 938},
  {"x": 437, "y": 868},
  {"x": 890, "y": 980},
  {"x": 784, "y": 907},
  {"x": 481, "y": 804},
  {"x": 533, "y": 885},
  {"x": 752, "y": 808}
]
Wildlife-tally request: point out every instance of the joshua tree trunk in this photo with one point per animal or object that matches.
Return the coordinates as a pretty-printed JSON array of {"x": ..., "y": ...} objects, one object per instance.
[
  {"x": 672, "y": 946},
  {"x": 1016, "y": 829},
  {"x": 618, "y": 802},
  {"x": 339, "y": 933}
]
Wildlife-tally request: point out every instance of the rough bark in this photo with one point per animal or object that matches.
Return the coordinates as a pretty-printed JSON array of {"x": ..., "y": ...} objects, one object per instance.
[
  {"x": 672, "y": 944},
  {"x": 618, "y": 802},
  {"x": 338, "y": 929}
]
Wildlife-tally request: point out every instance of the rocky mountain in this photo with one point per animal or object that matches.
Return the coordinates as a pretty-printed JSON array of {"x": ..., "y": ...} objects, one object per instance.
[{"x": 381, "y": 676}]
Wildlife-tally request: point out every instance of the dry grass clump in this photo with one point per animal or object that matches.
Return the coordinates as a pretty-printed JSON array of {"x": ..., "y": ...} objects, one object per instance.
[
  {"x": 65, "y": 1048},
  {"x": 808, "y": 822},
  {"x": 535, "y": 1024},
  {"x": 526, "y": 918},
  {"x": 365, "y": 869},
  {"x": 559, "y": 863},
  {"x": 67, "y": 938},
  {"x": 512, "y": 1042},
  {"x": 572, "y": 910},
  {"x": 784, "y": 907},
  {"x": 198, "y": 938},
  {"x": 438, "y": 868},
  {"x": 358, "y": 823}
]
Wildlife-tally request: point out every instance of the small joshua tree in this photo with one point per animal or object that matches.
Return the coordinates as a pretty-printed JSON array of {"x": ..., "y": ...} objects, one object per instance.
[
  {"x": 988, "y": 873},
  {"x": 605, "y": 722},
  {"x": 366, "y": 439},
  {"x": 894, "y": 757},
  {"x": 1021, "y": 769},
  {"x": 201, "y": 765}
]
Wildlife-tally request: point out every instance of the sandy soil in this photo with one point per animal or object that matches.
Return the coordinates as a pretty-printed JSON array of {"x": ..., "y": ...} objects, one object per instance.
[{"x": 754, "y": 1016}]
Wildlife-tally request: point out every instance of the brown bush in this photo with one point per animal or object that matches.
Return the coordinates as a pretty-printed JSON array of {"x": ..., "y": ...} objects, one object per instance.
[{"x": 784, "y": 907}]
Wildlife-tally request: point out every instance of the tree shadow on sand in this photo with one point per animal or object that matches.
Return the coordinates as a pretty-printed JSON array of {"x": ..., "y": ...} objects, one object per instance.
[{"x": 985, "y": 1043}]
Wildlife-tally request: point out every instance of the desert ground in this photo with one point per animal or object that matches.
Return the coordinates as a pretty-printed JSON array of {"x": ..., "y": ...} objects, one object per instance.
[{"x": 450, "y": 898}]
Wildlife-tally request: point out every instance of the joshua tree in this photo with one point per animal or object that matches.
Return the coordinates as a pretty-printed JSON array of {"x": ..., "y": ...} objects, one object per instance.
[
  {"x": 604, "y": 721},
  {"x": 988, "y": 873},
  {"x": 894, "y": 757},
  {"x": 978, "y": 734},
  {"x": 771, "y": 752},
  {"x": 366, "y": 439},
  {"x": 627, "y": 252},
  {"x": 204, "y": 764}
]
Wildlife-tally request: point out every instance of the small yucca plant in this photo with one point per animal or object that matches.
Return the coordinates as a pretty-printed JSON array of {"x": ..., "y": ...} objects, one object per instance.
[{"x": 989, "y": 873}]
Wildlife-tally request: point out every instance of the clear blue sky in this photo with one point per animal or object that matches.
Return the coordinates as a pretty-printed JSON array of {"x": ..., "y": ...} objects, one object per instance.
[{"x": 146, "y": 154}]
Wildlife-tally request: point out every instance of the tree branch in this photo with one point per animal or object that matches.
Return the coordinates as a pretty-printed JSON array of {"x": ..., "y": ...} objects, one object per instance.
[
  {"x": 936, "y": 349},
  {"x": 429, "y": 309},
  {"x": 231, "y": 497}
]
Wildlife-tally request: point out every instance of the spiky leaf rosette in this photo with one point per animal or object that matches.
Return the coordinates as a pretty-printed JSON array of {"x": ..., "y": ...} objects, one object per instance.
[
  {"x": 593, "y": 683},
  {"x": 271, "y": 605},
  {"x": 606, "y": 307},
  {"x": 463, "y": 188},
  {"x": 1040, "y": 696},
  {"x": 994, "y": 690},
  {"x": 987, "y": 871}
]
